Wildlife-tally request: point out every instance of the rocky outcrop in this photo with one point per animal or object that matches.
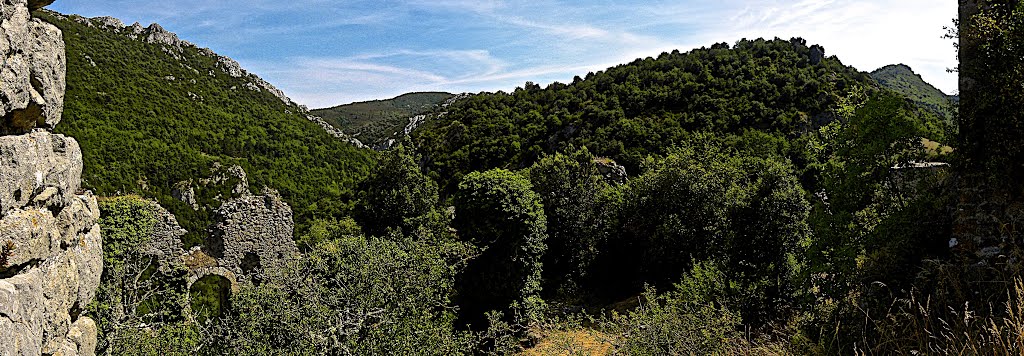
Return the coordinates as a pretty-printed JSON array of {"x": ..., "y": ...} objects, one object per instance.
[
  {"x": 57, "y": 259},
  {"x": 611, "y": 171},
  {"x": 32, "y": 76},
  {"x": 253, "y": 233},
  {"x": 334, "y": 131},
  {"x": 817, "y": 54}
]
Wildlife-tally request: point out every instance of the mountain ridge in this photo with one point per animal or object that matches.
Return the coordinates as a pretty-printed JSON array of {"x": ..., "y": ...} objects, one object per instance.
[
  {"x": 902, "y": 79},
  {"x": 378, "y": 122}
]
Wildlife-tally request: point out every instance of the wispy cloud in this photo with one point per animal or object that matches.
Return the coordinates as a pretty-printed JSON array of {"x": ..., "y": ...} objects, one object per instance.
[{"x": 327, "y": 52}]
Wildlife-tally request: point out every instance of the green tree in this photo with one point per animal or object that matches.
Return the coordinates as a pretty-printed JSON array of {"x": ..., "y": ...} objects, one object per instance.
[
  {"x": 396, "y": 195},
  {"x": 498, "y": 212},
  {"x": 703, "y": 202},
  {"x": 571, "y": 189}
]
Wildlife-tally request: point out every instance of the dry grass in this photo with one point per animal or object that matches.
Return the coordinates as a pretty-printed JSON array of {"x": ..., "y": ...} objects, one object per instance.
[
  {"x": 935, "y": 148},
  {"x": 570, "y": 343},
  {"x": 197, "y": 259},
  {"x": 916, "y": 326}
]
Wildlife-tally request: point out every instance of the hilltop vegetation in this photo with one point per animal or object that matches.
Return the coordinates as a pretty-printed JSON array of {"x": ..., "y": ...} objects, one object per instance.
[
  {"x": 776, "y": 88},
  {"x": 148, "y": 117},
  {"x": 901, "y": 79},
  {"x": 373, "y": 122}
]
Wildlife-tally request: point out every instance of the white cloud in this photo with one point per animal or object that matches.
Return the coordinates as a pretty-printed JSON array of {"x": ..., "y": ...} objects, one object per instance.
[{"x": 498, "y": 45}]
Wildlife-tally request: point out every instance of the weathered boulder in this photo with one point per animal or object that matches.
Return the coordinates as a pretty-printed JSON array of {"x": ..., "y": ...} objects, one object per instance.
[
  {"x": 611, "y": 171},
  {"x": 53, "y": 277},
  {"x": 253, "y": 233},
  {"x": 33, "y": 69},
  {"x": 31, "y": 164}
]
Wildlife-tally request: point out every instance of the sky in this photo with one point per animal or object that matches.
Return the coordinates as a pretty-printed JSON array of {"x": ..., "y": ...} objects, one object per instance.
[{"x": 329, "y": 52}]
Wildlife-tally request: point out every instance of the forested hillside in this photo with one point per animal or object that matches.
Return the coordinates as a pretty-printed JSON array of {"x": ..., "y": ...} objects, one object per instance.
[
  {"x": 777, "y": 88},
  {"x": 151, "y": 115},
  {"x": 373, "y": 122},
  {"x": 900, "y": 78}
]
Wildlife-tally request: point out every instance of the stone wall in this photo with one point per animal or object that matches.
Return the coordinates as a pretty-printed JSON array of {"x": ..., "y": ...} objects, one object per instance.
[
  {"x": 253, "y": 233},
  {"x": 54, "y": 268}
]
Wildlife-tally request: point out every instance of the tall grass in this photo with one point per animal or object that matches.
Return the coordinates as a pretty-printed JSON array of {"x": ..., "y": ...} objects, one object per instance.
[{"x": 918, "y": 326}]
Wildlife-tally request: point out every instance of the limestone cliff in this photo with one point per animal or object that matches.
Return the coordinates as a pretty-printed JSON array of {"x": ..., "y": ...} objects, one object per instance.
[{"x": 53, "y": 250}]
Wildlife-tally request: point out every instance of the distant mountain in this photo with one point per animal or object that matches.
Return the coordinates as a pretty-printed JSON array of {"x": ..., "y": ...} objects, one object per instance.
[
  {"x": 374, "y": 122},
  {"x": 902, "y": 79},
  {"x": 152, "y": 111}
]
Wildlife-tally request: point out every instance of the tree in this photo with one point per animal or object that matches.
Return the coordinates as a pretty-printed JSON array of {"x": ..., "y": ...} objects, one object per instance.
[
  {"x": 396, "y": 195},
  {"x": 498, "y": 212},
  {"x": 571, "y": 189},
  {"x": 703, "y": 202},
  {"x": 136, "y": 297}
]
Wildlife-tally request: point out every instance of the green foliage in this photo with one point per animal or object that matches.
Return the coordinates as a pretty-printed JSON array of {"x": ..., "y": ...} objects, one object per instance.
[
  {"x": 147, "y": 119},
  {"x": 209, "y": 297},
  {"x": 173, "y": 339},
  {"x": 634, "y": 110},
  {"x": 396, "y": 194},
  {"x": 572, "y": 192},
  {"x": 325, "y": 230},
  {"x": 350, "y": 295},
  {"x": 859, "y": 192},
  {"x": 134, "y": 290},
  {"x": 498, "y": 212},
  {"x": 702, "y": 202},
  {"x": 375, "y": 121},
  {"x": 671, "y": 324},
  {"x": 991, "y": 122}
]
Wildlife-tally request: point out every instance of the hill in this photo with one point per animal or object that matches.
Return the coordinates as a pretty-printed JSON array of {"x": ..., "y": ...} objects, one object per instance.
[
  {"x": 374, "y": 122},
  {"x": 780, "y": 87},
  {"x": 151, "y": 110},
  {"x": 902, "y": 79}
]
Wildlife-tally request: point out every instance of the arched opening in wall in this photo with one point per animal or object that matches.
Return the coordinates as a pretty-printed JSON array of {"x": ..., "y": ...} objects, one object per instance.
[{"x": 210, "y": 296}]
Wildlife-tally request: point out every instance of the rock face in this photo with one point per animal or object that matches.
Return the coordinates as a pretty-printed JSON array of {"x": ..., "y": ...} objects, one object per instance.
[
  {"x": 817, "y": 54},
  {"x": 57, "y": 260},
  {"x": 253, "y": 233},
  {"x": 611, "y": 171},
  {"x": 33, "y": 69}
]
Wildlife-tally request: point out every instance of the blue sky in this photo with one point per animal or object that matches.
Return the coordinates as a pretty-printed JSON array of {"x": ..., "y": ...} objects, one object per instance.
[{"x": 323, "y": 52}]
